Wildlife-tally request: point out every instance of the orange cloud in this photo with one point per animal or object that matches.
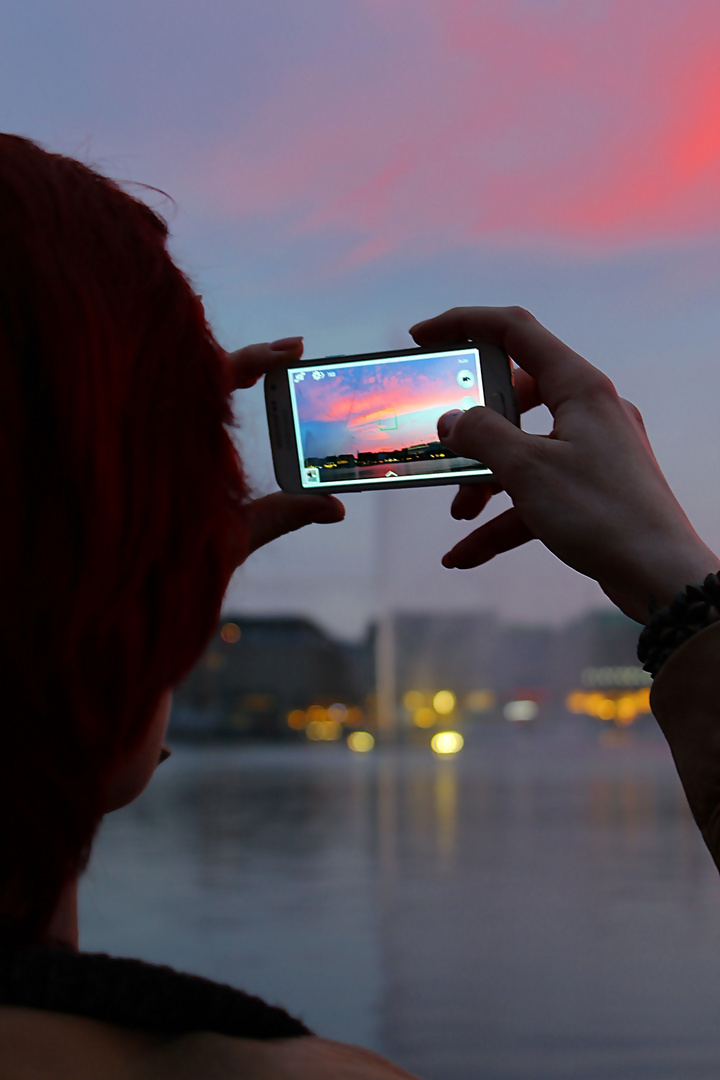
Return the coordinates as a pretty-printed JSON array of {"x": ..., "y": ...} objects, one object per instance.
[{"x": 456, "y": 122}]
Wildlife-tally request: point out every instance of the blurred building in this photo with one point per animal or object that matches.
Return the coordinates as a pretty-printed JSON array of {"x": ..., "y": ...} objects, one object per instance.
[
  {"x": 286, "y": 678},
  {"x": 256, "y": 672}
]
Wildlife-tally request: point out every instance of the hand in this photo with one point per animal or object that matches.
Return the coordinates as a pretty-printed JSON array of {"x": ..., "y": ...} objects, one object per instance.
[
  {"x": 592, "y": 490},
  {"x": 275, "y": 515}
]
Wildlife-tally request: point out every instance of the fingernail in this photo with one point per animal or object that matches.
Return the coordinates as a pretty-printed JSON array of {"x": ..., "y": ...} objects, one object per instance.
[
  {"x": 447, "y": 422},
  {"x": 284, "y": 343},
  {"x": 448, "y": 562}
]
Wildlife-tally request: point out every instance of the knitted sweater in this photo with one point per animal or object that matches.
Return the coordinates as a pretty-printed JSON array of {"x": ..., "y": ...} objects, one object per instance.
[{"x": 134, "y": 994}]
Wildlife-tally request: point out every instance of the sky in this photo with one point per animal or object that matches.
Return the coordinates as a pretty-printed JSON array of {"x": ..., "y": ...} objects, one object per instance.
[
  {"x": 341, "y": 170},
  {"x": 375, "y": 408}
]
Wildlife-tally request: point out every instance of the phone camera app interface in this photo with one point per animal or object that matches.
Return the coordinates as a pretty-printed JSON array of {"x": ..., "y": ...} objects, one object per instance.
[{"x": 377, "y": 419}]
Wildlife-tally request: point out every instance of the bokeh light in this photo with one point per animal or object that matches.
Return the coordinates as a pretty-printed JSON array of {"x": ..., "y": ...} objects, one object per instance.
[
  {"x": 231, "y": 633},
  {"x": 323, "y": 730},
  {"x": 425, "y": 717},
  {"x": 479, "y": 700},
  {"x": 621, "y": 707},
  {"x": 520, "y": 712},
  {"x": 360, "y": 741},
  {"x": 413, "y": 700},
  {"x": 297, "y": 719},
  {"x": 444, "y": 702},
  {"x": 447, "y": 742}
]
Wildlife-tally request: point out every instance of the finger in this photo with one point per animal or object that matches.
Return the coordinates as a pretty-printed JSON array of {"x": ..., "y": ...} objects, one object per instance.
[
  {"x": 471, "y": 500},
  {"x": 277, "y": 514},
  {"x": 504, "y": 532},
  {"x": 560, "y": 372},
  {"x": 527, "y": 390},
  {"x": 249, "y": 364},
  {"x": 484, "y": 435}
]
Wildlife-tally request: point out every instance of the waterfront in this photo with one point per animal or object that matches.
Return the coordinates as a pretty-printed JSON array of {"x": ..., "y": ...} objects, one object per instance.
[{"x": 539, "y": 906}]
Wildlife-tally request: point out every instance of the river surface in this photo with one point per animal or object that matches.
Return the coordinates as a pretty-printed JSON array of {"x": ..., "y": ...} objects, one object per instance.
[{"x": 539, "y": 907}]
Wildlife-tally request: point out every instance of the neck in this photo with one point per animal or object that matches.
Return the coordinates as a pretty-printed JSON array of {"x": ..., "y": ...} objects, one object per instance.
[{"x": 63, "y": 928}]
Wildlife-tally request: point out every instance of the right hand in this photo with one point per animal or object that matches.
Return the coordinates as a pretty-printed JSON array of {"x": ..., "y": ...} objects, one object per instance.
[{"x": 592, "y": 490}]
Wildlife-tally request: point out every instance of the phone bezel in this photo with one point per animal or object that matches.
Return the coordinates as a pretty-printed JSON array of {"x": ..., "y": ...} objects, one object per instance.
[{"x": 498, "y": 387}]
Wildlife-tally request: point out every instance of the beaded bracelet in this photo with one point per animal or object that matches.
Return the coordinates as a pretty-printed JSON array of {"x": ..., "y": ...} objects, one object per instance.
[{"x": 692, "y": 610}]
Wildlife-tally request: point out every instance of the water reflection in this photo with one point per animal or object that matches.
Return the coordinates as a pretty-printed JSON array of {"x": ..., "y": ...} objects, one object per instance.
[{"x": 539, "y": 905}]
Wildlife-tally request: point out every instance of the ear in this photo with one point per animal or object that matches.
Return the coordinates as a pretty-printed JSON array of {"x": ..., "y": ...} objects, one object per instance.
[{"x": 133, "y": 773}]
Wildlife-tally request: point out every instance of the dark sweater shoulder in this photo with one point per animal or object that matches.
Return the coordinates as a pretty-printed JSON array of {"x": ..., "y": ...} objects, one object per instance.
[{"x": 135, "y": 994}]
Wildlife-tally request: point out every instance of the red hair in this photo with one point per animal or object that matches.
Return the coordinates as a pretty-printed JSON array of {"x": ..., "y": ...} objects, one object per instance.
[{"x": 121, "y": 498}]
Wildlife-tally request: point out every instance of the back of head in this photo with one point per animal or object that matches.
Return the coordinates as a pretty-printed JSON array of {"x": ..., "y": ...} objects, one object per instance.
[{"x": 121, "y": 500}]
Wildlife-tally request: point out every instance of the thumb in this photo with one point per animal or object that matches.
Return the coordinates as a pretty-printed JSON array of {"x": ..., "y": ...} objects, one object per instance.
[{"x": 483, "y": 434}]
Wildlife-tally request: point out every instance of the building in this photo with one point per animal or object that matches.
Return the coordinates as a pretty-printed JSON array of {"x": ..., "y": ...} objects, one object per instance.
[
  {"x": 257, "y": 671},
  {"x": 276, "y": 678}
]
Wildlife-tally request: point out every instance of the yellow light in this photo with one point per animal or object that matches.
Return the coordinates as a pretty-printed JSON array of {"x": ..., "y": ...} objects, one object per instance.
[
  {"x": 479, "y": 700},
  {"x": 642, "y": 700},
  {"x": 626, "y": 709},
  {"x": 231, "y": 633},
  {"x": 425, "y": 717},
  {"x": 413, "y": 700},
  {"x": 316, "y": 712},
  {"x": 622, "y": 708},
  {"x": 297, "y": 719},
  {"x": 360, "y": 741},
  {"x": 447, "y": 742},
  {"x": 444, "y": 702},
  {"x": 323, "y": 730}
]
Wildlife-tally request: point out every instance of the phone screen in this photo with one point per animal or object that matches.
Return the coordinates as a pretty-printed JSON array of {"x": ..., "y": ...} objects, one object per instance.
[{"x": 377, "y": 419}]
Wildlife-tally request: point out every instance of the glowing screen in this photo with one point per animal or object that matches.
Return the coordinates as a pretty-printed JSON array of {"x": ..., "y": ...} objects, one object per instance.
[{"x": 377, "y": 419}]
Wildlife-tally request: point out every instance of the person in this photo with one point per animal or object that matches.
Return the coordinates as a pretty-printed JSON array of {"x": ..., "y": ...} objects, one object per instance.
[{"x": 125, "y": 512}]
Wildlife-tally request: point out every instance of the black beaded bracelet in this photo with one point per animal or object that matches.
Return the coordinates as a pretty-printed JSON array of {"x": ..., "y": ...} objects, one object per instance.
[{"x": 690, "y": 611}]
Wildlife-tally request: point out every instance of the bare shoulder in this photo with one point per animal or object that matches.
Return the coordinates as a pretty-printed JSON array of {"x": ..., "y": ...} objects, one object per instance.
[
  {"x": 220, "y": 1057},
  {"x": 35, "y": 1044}
]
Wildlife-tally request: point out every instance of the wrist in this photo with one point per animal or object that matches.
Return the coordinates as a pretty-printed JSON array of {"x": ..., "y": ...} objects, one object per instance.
[
  {"x": 656, "y": 574},
  {"x": 692, "y": 610},
  {"x": 666, "y": 573}
]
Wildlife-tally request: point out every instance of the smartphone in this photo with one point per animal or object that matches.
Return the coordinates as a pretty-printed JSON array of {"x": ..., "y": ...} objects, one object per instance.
[{"x": 356, "y": 423}]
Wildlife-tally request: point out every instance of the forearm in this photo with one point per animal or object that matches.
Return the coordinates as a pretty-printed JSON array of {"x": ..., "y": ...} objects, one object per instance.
[{"x": 685, "y": 700}]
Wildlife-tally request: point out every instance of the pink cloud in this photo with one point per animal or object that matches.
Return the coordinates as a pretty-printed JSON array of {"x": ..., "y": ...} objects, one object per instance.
[
  {"x": 404, "y": 393},
  {"x": 594, "y": 124}
]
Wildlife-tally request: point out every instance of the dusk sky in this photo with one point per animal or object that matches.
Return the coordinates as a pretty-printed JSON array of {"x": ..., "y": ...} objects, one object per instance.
[
  {"x": 378, "y": 407},
  {"x": 344, "y": 169}
]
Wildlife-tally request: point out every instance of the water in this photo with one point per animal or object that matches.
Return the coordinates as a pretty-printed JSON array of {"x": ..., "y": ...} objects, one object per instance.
[
  {"x": 540, "y": 906},
  {"x": 421, "y": 467}
]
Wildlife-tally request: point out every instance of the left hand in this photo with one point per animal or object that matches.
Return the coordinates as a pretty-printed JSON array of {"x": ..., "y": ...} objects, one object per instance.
[
  {"x": 275, "y": 515},
  {"x": 592, "y": 491}
]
